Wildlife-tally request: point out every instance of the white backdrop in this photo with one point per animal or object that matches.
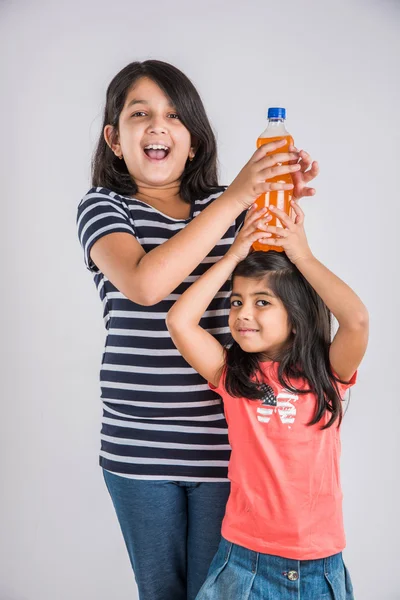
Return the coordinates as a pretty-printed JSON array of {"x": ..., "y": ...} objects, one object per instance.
[{"x": 335, "y": 66}]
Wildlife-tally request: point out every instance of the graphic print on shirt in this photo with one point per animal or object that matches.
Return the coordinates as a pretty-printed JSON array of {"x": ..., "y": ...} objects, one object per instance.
[{"x": 285, "y": 408}]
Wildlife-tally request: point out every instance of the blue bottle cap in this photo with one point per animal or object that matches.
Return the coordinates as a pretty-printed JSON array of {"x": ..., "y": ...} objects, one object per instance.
[{"x": 277, "y": 113}]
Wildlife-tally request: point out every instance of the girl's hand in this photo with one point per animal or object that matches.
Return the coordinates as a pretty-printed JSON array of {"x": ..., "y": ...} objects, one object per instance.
[
  {"x": 254, "y": 220},
  {"x": 309, "y": 170},
  {"x": 291, "y": 237},
  {"x": 251, "y": 181}
]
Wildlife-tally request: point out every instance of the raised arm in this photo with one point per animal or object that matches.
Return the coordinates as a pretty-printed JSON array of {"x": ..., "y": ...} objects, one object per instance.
[
  {"x": 198, "y": 347},
  {"x": 147, "y": 278},
  {"x": 350, "y": 342}
]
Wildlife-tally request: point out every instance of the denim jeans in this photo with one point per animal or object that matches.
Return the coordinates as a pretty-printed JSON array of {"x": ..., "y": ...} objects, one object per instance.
[
  {"x": 240, "y": 574},
  {"x": 171, "y": 529}
]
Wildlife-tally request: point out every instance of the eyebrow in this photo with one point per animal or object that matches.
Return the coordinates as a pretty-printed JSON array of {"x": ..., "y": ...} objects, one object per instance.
[
  {"x": 135, "y": 101},
  {"x": 263, "y": 293}
]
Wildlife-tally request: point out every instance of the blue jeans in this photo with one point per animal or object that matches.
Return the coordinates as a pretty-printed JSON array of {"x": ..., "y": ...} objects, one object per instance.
[
  {"x": 240, "y": 574},
  {"x": 171, "y": 529}
]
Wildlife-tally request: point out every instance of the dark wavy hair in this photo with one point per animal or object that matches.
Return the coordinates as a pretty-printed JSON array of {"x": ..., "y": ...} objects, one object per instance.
[
  {"x": 200, "y": 176},
  {"x": 307, "y": 354}
]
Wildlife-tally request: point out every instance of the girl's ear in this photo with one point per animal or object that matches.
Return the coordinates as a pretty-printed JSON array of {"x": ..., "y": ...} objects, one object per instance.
[
  {"x": 192, "y": 153},
  {"x": 194, "y": 146},
  {"x": 112, "y": 140}
]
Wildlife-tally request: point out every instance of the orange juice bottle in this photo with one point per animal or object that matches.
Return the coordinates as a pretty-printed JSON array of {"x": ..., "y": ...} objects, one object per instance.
[{"x": 276, "y": 130}]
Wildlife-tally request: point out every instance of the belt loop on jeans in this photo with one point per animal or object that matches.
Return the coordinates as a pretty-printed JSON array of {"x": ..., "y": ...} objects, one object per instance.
[
  {"x": 327, "y": 565},
  {"x": 228, "y": 550},
  {"x": 254, "y": 562}
]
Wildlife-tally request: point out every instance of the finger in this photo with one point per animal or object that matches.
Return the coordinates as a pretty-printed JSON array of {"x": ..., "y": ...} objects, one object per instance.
[
  {"x": 300, "y": 178},
  {"x": 254, "y": 210},
  {"x": 278, "y": 157},
  {"x": 267, "y": 149},
  {"x": 305, "y": 160},
  {"x": 264, "y": 240},
  {"x": 313, "y": 172},
  {"x": 259, "y": 219},
  {"x": 294, "y": 161},
  {"x": 279, "y": 231},
  {"x": 265, "y": 219},
  {"x": 250, "y": 210},
  {"x": 255, "y": 223},
  {"x": 258, "y": 236},
  {"x": 271, "y": 172},
  {"x": 305, "y": 192},
  {"x": 296, "y": 207},
  {"x": 297, "y": 178},
  {"x": 282, "y": 216},
  {"x": 263, "y": 226},
  {"x": 273, "y": 241},
  {"x": 298, "y": 212},
  {"x": 270, "y": 186}
]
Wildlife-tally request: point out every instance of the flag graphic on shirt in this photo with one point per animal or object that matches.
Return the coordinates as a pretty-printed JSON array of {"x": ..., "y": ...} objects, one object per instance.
[{"x": 285, "y": 408}]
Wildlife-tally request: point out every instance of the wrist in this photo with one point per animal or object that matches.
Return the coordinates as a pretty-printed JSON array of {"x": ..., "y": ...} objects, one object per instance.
[
  {"x": 303, "y": 259},
  {"x": 242, "y": 202},
  {"x": 230, "y": 260}
]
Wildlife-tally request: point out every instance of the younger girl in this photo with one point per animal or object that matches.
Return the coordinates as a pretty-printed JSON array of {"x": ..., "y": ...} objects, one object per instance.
[{"x": 282, "y": 381}]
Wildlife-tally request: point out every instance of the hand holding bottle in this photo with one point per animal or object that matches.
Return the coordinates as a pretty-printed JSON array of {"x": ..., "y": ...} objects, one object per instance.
[
  {"x": 265, "y": 164},
  {"x": 309, "y": 170},
  {"x": 291, "y": 237},
  {"x": 254, "y": 229}
]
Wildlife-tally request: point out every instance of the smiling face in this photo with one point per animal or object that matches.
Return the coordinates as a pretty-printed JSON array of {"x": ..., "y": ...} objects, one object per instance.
[
  {"x": 258, "y": 319},
  {"x": 152, "y": 140}
]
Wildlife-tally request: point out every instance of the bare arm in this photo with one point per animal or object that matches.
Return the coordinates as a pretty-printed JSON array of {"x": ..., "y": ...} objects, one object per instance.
[
  {"x": 350, "y": 342},
  {"x": 196, "y": 345},
  {"x": 148, "y": 278},
  {"x": 199, "y": 348}
]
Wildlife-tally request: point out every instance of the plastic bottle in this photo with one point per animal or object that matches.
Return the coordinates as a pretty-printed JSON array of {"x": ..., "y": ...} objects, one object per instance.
[{"x": 275, "y": 130}]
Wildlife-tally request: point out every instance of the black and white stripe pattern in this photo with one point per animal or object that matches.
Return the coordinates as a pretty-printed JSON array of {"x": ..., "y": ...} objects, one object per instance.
[{"x": 160, "y": 419}]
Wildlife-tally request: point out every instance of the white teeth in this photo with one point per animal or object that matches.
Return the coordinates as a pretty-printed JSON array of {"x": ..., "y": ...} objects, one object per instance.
[{"x": 156, "y": 147}]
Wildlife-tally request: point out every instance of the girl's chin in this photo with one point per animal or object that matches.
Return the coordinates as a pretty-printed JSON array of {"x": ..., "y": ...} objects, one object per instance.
[
  {"x": 153, "y": 180},
  {"x": 155, "y": 176},
  {"x": 247, "y": 344}
]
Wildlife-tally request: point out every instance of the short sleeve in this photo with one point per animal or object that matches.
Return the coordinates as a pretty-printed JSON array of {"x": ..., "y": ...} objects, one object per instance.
[
  {"x": 99, "y": 213},
  {"x": 220, "y": 388},
  {"x": 343, "y": 387}
]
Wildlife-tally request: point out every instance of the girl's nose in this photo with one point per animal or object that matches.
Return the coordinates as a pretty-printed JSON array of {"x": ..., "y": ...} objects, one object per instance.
[
  {"x": 157, "y": 125},
  {"x": 245, "y": 312}
]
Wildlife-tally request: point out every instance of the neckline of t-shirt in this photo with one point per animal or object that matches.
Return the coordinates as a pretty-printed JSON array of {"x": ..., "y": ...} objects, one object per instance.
[{"x": 192, "y": 207}]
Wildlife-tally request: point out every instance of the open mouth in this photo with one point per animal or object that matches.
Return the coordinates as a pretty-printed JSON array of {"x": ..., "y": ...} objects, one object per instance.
[{"x": 156, "y": 152}]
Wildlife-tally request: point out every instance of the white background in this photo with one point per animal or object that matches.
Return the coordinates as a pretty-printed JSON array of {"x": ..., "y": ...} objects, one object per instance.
[{"x": 335, "y": 66}]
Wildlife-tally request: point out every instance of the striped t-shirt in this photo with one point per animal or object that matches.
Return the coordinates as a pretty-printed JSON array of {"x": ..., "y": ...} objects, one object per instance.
[{"x": 160, "y": 418}]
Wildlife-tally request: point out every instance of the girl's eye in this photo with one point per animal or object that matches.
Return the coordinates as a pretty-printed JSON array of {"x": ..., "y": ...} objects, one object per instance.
[
  {"x": 140, "y": 113},
  {"x": 264, "y": 302},
  {"x": 235, "y": 303}
]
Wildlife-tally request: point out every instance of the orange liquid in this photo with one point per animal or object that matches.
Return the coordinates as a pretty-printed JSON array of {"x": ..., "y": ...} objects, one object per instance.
[{"x": 279, "y": 198}]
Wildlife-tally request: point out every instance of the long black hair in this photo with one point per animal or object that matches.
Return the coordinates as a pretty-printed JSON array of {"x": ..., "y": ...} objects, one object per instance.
[
  {"x": 306, "y": 356},
  {"x": 200, "y": 176}
]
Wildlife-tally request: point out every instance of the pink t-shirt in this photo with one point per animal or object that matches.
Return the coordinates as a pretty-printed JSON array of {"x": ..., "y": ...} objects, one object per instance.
[{"x": 286, "y": 496}]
